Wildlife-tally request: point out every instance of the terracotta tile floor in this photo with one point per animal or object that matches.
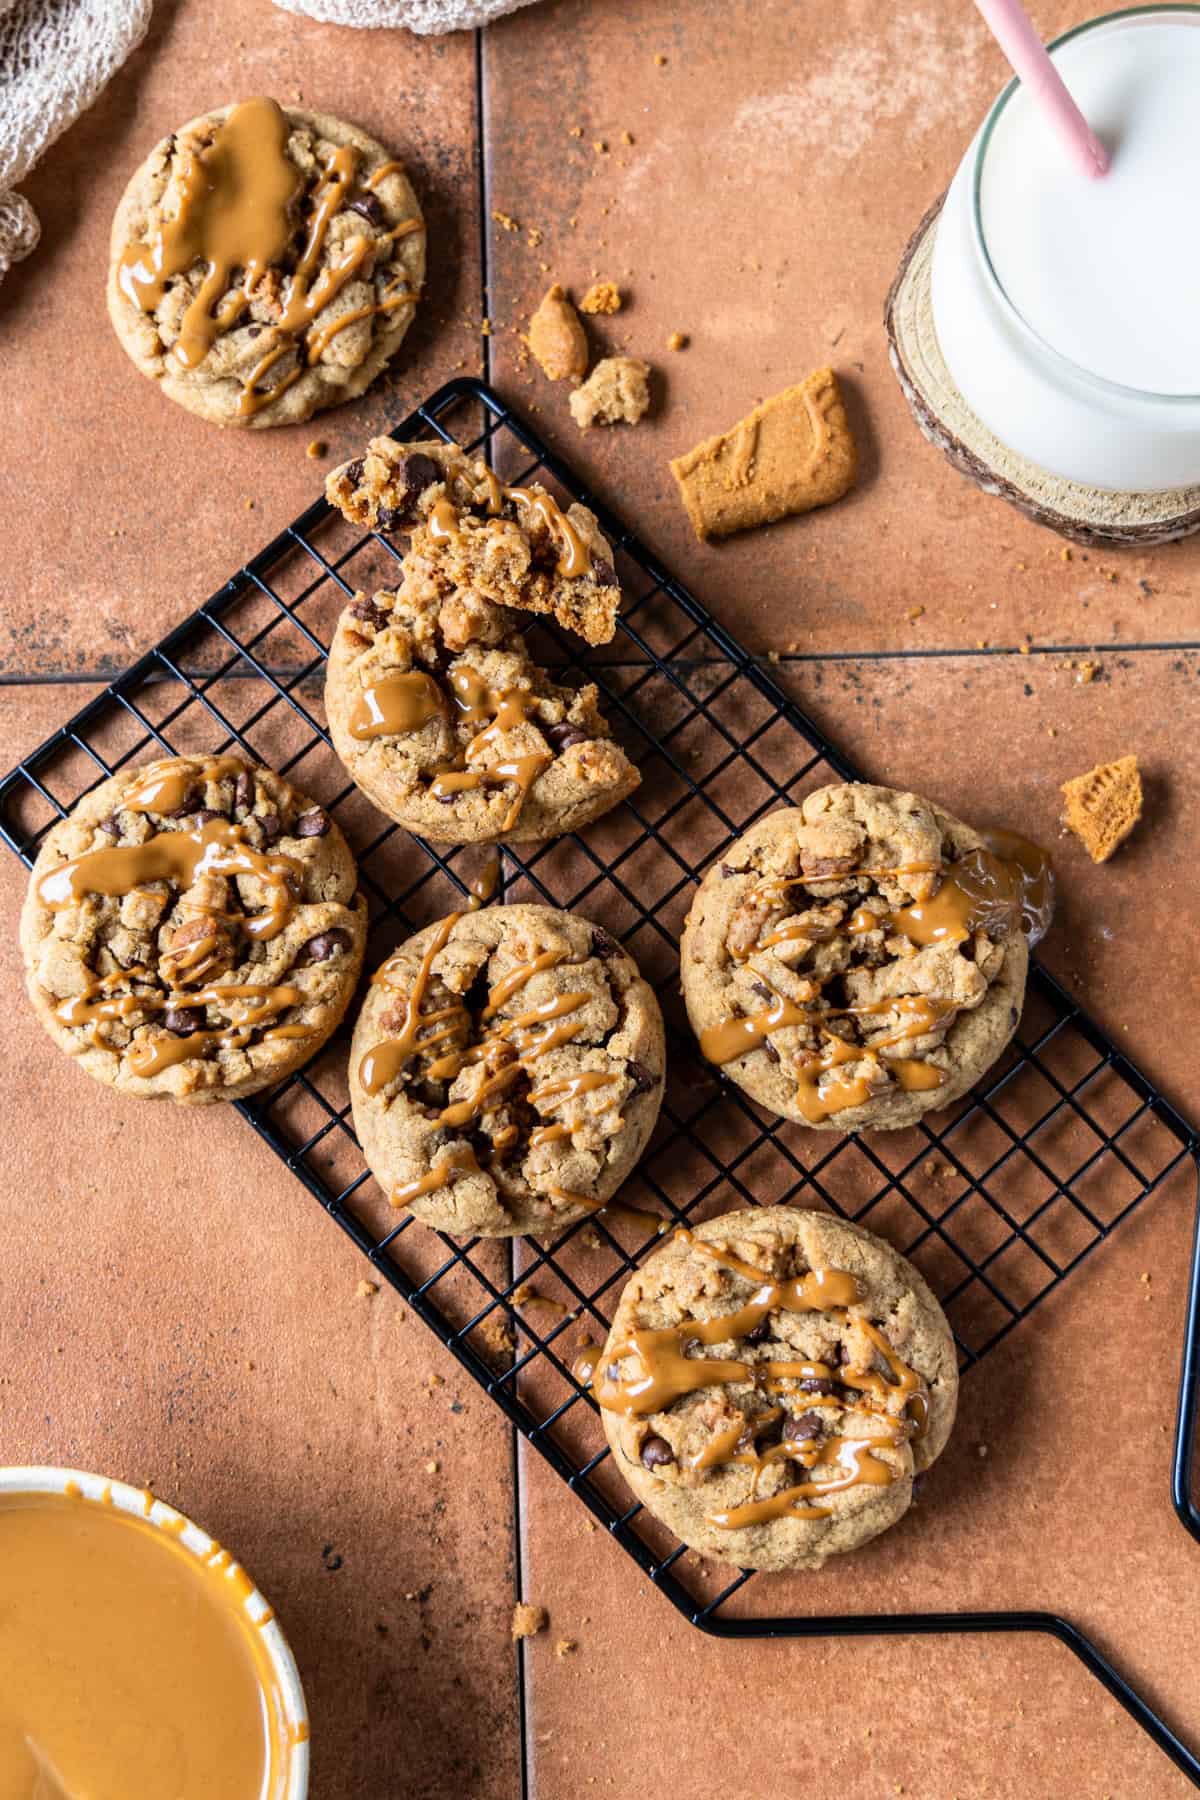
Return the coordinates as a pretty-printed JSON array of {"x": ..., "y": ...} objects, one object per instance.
[{"x": 174, "y": 1308}]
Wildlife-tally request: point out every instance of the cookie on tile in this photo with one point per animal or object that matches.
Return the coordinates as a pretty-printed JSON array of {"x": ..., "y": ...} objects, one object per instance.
[
  {"x": 857, "y": 960},
  {"x": 506, "y": 1071},
  {"x": 616, "y": 392},
  {"x": 192, "y": 931},
  {"x": 791, "y": 454},
  {"x": 265, "y": 263},
  {"x": 773, "y": 1381}
]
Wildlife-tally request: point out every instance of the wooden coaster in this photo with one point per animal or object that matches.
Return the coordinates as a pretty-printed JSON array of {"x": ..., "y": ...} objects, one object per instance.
[{"x": 1086, "y": 514}]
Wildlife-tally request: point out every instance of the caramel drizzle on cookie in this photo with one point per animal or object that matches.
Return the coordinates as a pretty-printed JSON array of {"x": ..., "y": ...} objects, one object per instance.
[
  {"x": 574, "y": 554},
  {"x": 406, "y": 702},
  {"x": 164, "y": 787},
  {"x": 237, "y": 199},
  {"x": 507, "y": 1049},
  {"x": 664, "y": 1373},
  {"x": 979, "y": 892},
  {"x": 180, "y": 857},
  {"x": 250, "y": 1005}
]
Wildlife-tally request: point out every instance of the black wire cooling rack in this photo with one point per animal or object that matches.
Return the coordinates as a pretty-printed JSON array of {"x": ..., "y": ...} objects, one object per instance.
[{"x": 1016, "y": 1186}]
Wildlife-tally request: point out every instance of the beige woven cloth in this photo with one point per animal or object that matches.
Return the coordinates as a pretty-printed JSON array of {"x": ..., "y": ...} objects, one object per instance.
[
  {"x": 55, "y": 56},
  {"x": 424, "y": 16}
]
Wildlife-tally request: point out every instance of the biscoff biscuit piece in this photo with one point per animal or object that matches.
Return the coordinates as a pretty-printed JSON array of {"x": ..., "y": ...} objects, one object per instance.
[
  {"x": 1104, "y": 805},
  {"x": 616, "y": 392},
  {"x": 557, "y": 338},
  {"x": 792, "y": 453}
]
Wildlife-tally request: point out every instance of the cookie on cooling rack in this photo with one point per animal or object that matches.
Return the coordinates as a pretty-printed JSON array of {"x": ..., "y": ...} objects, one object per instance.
[
  {"x": 477, "y": 535},
  {"x": 444, "y": 720},
  {"x": 857, "y": 960},
  {"x": 772, "y": 1382},
  {"x": 506, "y": 1071},
  {"x": 265, "y": 263},
  {"x": 192, "y": 931}
]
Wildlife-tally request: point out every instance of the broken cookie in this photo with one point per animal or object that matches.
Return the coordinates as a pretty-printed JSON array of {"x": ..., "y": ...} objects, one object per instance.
[
  {"x": 557, "y": 338},
  {"x": 1104, "y": 805},
  {"x": 616, "y": 392},
  {"x": 792, "y": 453}
]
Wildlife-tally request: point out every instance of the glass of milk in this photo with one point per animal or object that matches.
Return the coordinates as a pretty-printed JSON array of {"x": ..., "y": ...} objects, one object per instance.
[{"x": 1067, "y": 309}]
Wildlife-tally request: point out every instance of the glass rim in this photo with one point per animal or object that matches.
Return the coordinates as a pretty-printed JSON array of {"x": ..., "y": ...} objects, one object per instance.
[{"x": 1101, "y": 383}]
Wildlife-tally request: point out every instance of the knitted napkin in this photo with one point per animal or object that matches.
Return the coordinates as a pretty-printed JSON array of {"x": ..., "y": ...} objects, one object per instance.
[
  {"x": 425, "y": 16},
  {"x": 55, "y": 56}
]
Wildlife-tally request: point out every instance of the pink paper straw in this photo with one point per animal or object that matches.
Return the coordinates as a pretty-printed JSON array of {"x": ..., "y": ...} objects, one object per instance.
[{"x": 1011, "y": 27}]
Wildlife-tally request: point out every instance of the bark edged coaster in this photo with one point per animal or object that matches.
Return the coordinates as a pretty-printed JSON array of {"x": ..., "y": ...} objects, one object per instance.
[{"x": 1088, "y": 515}]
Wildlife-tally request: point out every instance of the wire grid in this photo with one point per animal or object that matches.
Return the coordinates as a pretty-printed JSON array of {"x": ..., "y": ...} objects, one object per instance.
[{"x": 997, "y": 1205}]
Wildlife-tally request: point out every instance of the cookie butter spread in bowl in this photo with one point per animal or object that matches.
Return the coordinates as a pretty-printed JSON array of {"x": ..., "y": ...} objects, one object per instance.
[{"x": 136, "y": 1656}]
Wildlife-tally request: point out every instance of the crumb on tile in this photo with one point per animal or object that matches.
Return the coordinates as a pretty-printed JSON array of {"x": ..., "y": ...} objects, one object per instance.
[
  {"x": 505, "y": 220},
  {"x": 565, "y": 1646},
  {"x": 660, "y": 60},
  {"x": 527, "y": 1620},
  {"x": 432, "y": 1466},
  {"x": 367, "y": 1288},
  {"x": 317, "y": 448},
  {"x": 601, "y": 297},
  {"x": 616, "y": 392},
  {"x": 556, "y": 337},
  {"x": 678, "y": 340}
]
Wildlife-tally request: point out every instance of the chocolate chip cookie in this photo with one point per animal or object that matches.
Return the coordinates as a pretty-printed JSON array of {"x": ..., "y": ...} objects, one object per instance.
[
  {"x": 772, "y": 1382},
  {"x": 444, "y": 721},
  {"x": 265, "y": 263},
  {"x": 478, "y": 536},
  {"x": 506, "y": 1071},
  {"x": 192, "y": 930},
  {"x": 857, "y": 960}
]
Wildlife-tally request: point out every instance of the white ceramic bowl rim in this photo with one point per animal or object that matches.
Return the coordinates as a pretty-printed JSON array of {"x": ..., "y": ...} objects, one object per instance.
[
  {"x": 138, "y": 1503},
  {"x": 1114, "y": 389}
]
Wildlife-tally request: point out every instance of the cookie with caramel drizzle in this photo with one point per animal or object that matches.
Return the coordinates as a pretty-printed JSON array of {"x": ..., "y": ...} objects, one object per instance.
[
  {"x": 860, "y": 959},
  {"x": 772, "y": 1382},
  {"x": 442, "y": 717},
  {"x": 266, "y": 262},
  {"x": 506, "y": 1071},
  {"x": 192, "y": 931}
]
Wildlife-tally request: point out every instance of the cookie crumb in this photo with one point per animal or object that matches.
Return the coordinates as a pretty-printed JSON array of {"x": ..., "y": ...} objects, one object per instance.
[
  {"x": 317, "y": 448},
  {"x": 601, "y": 297},
  {"x": 616, "y": 391},
  {"x": 659, "y": 59},
  {"x": 576, "y": 131},
  {"x": 565, "y": 1646},
  {"x": 678, "y": 340},
  {"x": 590, "y": 1238},
  {"x": 432, "y": 1466},
  {"x": 498, "y": 1338},
  {"x": 599, "y": 146},
  {"x": 505, "y": 220},
  {"x": 916, "y": 612},
  {"x": 367, "y": 1288},
  {"x": 1087, "y": 672},
  {"x": 627, "y": 137},
  {"x": 557, "y": 338},
  {"x": 528, "y": 1620},
  {"x": 1104, "y": 805}
]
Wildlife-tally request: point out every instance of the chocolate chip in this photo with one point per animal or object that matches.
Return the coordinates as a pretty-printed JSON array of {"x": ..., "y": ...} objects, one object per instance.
[
  {"x": 354, "y": 470},
  {"x": 192, "y": 804},
  {"x": 771, "y": 1051},
  {"x": 1013, "y": 1015},
  {"x": 326, "y": 944},
  {"x": 727, "y": 871},
  {"x": 603, "y": 573},
  {"x": 205, "y": 816},
  {"x": 389, "y": 518},
  {"x": 408, "y": 482},
  {"x": 641, "y": 1077},
  {"x": 762, "y": 990},
  {"x": 253, "y": 331},
  {"x": 268, "y": 824},
  {"x": 243, "y": 792},
  {"x": 604, "y": 944},
  {"x": 368, "y": 612},
  {"x": 563, "y": 736},
  {"x": 760, "y": 1332},
  {"x": 312, "y": 824},
  {"x": 367, "y": 207},
  {"x": 656, "y": 1453},
  {"x": 183, "y": 1020},
  {"x": 112, "y": 825},
  {"x": 803, "y": 1426},
  {"x": 817, "y": 1384}
]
